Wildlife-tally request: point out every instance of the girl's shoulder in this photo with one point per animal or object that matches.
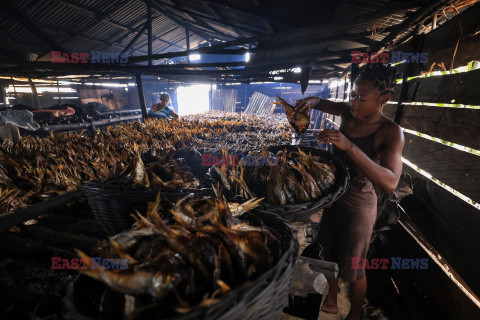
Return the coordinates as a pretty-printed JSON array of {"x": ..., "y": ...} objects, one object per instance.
[{"x": 391, "y": 131}]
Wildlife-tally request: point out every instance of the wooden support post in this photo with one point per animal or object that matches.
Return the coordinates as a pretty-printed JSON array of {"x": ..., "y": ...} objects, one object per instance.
[
  {"x": 141, "y": 96},
  {"x": 149, "y": 26},
  {"x": 34, "y": 92},
  {"x": 14, "y": 91},
  {"x": 58, "y": 91},
  {"x": 4, "y": 94}
]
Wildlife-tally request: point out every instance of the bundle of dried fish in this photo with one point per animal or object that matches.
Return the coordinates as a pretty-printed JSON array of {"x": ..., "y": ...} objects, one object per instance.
[
  {"x": 166, "y": 174},
  {"x": 299, "y": 120},
  {"x": 296, "y": 177},
  {"x": 206, "y": 252},
  {"x": 306, "y": 180}
]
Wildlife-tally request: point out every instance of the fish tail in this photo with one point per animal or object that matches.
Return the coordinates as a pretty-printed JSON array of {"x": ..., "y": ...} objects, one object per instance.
[
  {"x": 91, "y": 272},
  {"x": 249, "y": 205},
  {"x": 119, "y": 251},
  {"x": 218, "y": 190},
  {"x": 179, "y": 218},
  {"x": 161, "y": 227}
]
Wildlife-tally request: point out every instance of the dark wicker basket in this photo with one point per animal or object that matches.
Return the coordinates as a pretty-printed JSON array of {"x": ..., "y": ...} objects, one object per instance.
[
  {"x": 112, "y": 205},
  {"x": 263, "y": 298},
  {"x": 301, "y": 211}
]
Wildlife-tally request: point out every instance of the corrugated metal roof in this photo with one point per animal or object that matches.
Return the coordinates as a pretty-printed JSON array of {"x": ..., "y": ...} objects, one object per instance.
[{"x": 85, "y": 25}]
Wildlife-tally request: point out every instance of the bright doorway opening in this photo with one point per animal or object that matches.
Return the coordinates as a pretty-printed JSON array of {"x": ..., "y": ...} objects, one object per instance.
[{"x": 193, "y": 99}]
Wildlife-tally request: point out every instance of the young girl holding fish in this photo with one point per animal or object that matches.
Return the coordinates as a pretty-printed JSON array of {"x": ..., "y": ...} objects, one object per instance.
[{"x": 371, "y": 145}]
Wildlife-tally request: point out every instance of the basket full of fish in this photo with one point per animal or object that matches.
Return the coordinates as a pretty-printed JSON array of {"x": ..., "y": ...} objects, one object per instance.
[
  {"x": 113, "y": 199},
  {"x": 204, "y": 258},
  {"x": 293, "y": 181}
]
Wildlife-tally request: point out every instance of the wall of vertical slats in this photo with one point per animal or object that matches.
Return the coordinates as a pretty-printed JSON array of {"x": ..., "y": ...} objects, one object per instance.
[
  {"x": 441, "y": 117},
  {"x": 224, "y": 100},
  {"x": 260, "y": 104}
]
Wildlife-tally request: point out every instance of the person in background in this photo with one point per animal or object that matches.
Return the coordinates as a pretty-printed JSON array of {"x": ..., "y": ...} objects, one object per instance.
[
  {"x": 161, "y": 109},
  {"x": 371, "y": 145}
]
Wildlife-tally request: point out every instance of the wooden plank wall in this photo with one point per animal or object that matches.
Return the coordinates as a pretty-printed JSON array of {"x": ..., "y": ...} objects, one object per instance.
[{"x": 441, "y": 116}]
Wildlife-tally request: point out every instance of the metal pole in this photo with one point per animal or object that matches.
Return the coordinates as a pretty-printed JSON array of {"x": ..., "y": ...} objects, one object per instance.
[{"x": 141, "y": 96}]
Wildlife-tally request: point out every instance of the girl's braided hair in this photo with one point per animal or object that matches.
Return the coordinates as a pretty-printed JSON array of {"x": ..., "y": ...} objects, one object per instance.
[{"x": 382, "y": 75}]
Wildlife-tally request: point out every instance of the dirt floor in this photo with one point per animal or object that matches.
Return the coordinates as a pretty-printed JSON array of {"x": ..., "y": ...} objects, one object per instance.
[{"x": 371, "y": 312}]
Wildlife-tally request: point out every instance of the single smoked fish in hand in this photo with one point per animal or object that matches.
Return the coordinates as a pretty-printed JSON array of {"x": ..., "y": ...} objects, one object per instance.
[{"x": 299, "y": 120}]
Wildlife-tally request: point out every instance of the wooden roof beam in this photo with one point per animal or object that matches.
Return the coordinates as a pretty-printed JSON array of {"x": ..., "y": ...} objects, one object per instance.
[
  {"x": 159, "y": 37},
  {"x": 134, "y": 27},
  {"x": 260, "y": 12},
  {"x": 268, "y": 24},
  {"x": 172, "y": 17},
  {"x": 93, "y": 14},
  {"x": 135, "y": 38},
  {"x": 290, "y": 35},
  {"x": 248, "y": 29},
  {"x": 70, "y": 34},
  {"x": 241, "y": 41},
  {"x": 221, "y": 17},
  {"x": 21, "y": 67},
  {"x": 99, "y": 17},
  {"x": 200, "y": 21}
]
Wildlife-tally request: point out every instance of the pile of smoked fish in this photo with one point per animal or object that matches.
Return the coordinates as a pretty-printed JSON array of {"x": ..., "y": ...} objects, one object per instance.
[
  {"x": 163, "y": 173},
  {"x": 289, "y": 178},
  {"x": 185, "y": 257},
  {"x": 33, "y": 168}
]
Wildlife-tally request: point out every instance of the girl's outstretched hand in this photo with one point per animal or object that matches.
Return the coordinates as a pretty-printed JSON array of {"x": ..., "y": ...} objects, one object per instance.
[
  {"x": 307, "y": 104},
  {"x": 334, "y": 137}
]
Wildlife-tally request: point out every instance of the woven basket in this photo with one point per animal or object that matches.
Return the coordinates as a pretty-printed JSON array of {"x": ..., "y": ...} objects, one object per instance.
[
  {"x": 300, "y": 212},
  {"x": 260, "y": 299},
  {"x": 112, "y": 205}
]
